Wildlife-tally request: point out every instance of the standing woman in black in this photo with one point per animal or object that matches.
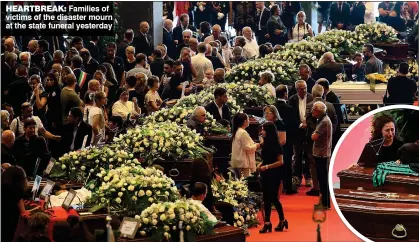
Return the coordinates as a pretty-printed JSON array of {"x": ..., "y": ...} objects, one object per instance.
[{"x": 271, "y": 172}]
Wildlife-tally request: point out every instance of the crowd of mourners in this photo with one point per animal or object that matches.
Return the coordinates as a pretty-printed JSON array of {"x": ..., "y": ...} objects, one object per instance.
[{"x": 59, "y": 96}]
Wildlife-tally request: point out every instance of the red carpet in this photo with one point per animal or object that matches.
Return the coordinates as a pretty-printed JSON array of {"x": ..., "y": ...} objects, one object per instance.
[{"x": 298, "y": 209}]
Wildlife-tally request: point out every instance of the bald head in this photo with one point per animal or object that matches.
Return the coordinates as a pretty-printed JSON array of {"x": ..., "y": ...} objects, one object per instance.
[
  {"x": 8, "y": 138},
  {"x": 144, "y": 27},
  {"x": 168, "y": 24},
  {"x": 193, "y": 44},
  {"x": 10, "y": 44},
  {"x": 216, "y": 31},
  {"x": 247, "y": 32},
  {"x": 32, "y": 45}
]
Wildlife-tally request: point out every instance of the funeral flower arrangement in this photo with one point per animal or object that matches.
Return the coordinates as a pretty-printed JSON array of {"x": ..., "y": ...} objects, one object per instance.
[
  {"x": 376, "y": 33},
  {"x": 202, "y": 99},
  {"x": 284, "y": 71},
  {"x": 294, "y": 56},
  {"x": 167, "y": 140},
  {"x": 236, "y": 193},
  {"x": 314, "y": 47},
  {"x": 181, "y": 115},
  {"x": 82, "y": 165},
  {"x": 128, "y": 190},
  {"x": 378, "y": 78},
  {"x": 340, "y": 40},
  {"x": 182, "y": 218},
  {"x": 413, "y": 70}
]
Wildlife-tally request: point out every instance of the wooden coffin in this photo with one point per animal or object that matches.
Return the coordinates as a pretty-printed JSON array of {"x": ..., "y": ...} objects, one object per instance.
[
  {"x": 222, "y": 234},
  {"x": 356, "y": 177},
  {"x": 255, "y": 111},
  {"x": 255, "y": 127},
  {"x": 222, "y": 145},
  {"x": 393, "y": 51},
  {"x": 375, "y": 215},
  {"x": 183, "y": 166}
]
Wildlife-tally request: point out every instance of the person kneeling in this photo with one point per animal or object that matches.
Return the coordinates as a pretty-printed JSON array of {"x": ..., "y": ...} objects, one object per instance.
[{"x": 199, "y": 192}]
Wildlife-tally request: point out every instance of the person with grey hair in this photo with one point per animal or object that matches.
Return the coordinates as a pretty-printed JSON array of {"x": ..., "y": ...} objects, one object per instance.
[
  {"x": 201, "y": 63},
  {"x": 322, "y": 151},
  {"x": 25, "y": 59},
  {"x": 186, "y": 37},
  {"x": 5, "y": 120},
  {"x": 197, "y": 120},
  {"x": 7, "y": 142},
  {"x": 184, "y": 25},
  {"x": 169, "y": 42},
  {"x": 266, "y": 79},
  {"x": 317, "y": 93},
  {"x": 143, "y": 43},
  {"x": 8, "y": 72},
  {"x": 216, "y": 33},
  {"x": 302, "y": 150},
  {"x": 251, "y": 48},
  {"x": 328, "y": 68},
  {"x": 238, "y": 57},
  {"x": 302, "y": 29}
]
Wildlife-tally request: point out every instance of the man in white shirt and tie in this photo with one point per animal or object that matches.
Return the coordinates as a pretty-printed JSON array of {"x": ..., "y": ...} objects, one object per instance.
[
  {"x": 262, "y": 17},
  {"x": 201, "y": 63}
]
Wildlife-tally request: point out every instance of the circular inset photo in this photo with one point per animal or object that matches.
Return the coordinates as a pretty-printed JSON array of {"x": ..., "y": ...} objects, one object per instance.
[{"x": 374, "y": 175}]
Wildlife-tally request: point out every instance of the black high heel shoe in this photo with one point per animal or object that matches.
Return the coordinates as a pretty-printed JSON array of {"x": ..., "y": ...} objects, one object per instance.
[
  {"x": 266, "y": 228},
  {"x": 282, "y": 225}
]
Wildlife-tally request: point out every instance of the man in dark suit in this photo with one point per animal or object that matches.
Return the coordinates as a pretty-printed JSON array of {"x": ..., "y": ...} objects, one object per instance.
[
  {"x": 41, "y": 57},
  {"x": 157, "y": 65},
  {"x": 168, "y": 39},
  {"x": 340, "y": 15},
  {"x": 291, "y": 126},
  {"x": 184, "y": 25},
  {"x": 299, "y": 103},
  {"x": 317, "y": 93},
  {"x": 218, "y": 108},
  {"x": 19, "y": 90},
  {"x": 128, "y": 38},
  {"x": 305, "y": 74},
  {"x": 82, "y": 77},
  {"x": 276, "y": 29},
  {"x": 8, "y": 72},
  {"x": 262, "y": 17},
  {"x": 7, "y": 156},
  {"x": 75, "y": 131},
  {"x": 289, "y": 13},
  {"x": 93, "y": 48},
  {"x": 143, "y": 43},
  {"x": 90, "y": 64}
]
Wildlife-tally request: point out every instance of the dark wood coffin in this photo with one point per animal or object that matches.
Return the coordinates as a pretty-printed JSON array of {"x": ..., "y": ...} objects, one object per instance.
[
  {"x": 255, "y": 111},
  {"x": 393, "y": 51},
  {"x": 222, "y": 145},
  {"x": 255, "y": 127},
  {"x": 356, "y": 177},
  {"x": 222, "y": 234},
  {"x": 184, "y": 167},
  {"x": 375, "y": 215}
]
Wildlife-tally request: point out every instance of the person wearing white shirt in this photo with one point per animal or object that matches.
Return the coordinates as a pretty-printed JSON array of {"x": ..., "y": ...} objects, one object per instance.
[
  {"x": 199, "y": 192},
  {"x": 216, "y": 33},
  {"x": 201, "y": 63},
  {"x": 302, "y": 29},
  {"x": 266, "y": 79},
  {"x": 209, "y": 78},
  {"x": 251, "y": 48},
  {"x": 243, "y": 159}
]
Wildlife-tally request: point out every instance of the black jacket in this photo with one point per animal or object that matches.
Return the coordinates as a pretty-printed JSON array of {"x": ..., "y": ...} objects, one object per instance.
[
  {"x": 143, "y": 44},
  {"x": 266, "y": 14},
  {"x": 168, "y": 40},
  {"x": 94, "y": 51},
  {"x": 19, "y": 92},
  {"x": 91, "y": 66},
  {"x": 332, "y": 98},
  {"x": 177, "y": 33},
  {"x": 273, "y": 25},
  {"x": 329, "y": 71},
  {"x": 337, "y": 16},
  {"x": 67, "y": 136},
  {"x": 7, "y": 155},
  {"x": 293, "y": 102},
  {"x": 291, "y": 122},
  {"x": 27, "y": 152},
  {"x": 213, "y": 110},
  {"x": 156, "y": 67},
  {"x": 121, "y": 49}
]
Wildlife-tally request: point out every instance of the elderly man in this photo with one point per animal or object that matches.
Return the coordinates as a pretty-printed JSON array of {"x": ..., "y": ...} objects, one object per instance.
[
  {"x": 197, "y": 120},
  {"x": 25, "y": 59},
  {"x": 10, "y": 44},
  {"x": 184, "y": 25},
  {"x": 299, "y": 103},
  {"x": 163, "y": 50},
  {"x": 90, "y": 64},
  {"x": 216, "y": 33},
  {"x": 305, "y": 74},
  {"x": 32, "y": 46},
  {"x": 57, "y": 58},
  {"x": 5, "y": 120},
  {"x": 328, "y": 68},
  {"x": 7, "y": 156},
  {"x": 168, "y": 39},
  {"x": 193, "y": 44},
  {"x": 143, "y": 43},
  {"x": 200, "y": 63},
  {"x": 317, "y": 93},
  {"x": 186, "y": 35},
  {"x": 8, "y": 72},
  {"x": 251, "y": 48},
  {"x": 322, "y": 151}
]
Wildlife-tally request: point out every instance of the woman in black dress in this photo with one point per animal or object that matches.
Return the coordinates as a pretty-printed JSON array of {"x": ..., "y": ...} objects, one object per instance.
[
  {"x": 272, "y": 173},
  {"x": 13, "y": 187},
  {"x": 383, "y": 145},
  {"x": 39, "y": 97}
]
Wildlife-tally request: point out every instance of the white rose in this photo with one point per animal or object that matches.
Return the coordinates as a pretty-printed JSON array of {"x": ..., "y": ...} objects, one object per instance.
[
  {"x": 145, "y": 220},
  {"x": 188, "y": 228},
  {"x": 162, "y": 217},
  {"x": 148, "y": 193},
  {"x": 154, "y": 222},
  {"x": 63, "y": 167},
  {"x": 134, "y": 198},
  {"x": 166, "y": 228},
  {"x": 131, "y": 188},
  {"x": 118, "y": 200},
  {"x": 142, "y": 233},
  {"x": 141, "y": 193},
  {"x": 150, "y": 199}
]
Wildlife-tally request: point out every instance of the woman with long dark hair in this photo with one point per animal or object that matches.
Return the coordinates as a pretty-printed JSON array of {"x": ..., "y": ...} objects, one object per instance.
[
  {"x": 271, "y": 170},
  {"x": 53, "y": 114},
  {"x": 243, "y": 149},
  {"x": 13, "y": 187},
  {"x": 383, "y": 145}
]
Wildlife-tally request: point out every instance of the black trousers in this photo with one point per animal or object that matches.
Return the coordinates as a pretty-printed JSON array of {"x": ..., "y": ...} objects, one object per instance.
[
  {"x": 270, "y": 185},
  {"x": 322, "y": 171},
  {"x": 288, "y": 171},
  {"x": 302, "y": 150}
]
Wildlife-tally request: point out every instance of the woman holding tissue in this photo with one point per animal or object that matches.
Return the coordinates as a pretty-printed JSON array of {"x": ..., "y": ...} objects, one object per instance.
[{"x": 271, "y": 170}]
